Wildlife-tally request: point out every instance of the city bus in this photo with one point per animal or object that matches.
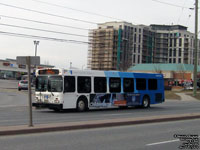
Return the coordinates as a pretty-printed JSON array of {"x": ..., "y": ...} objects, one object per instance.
[{"x": 60, "y": 89}]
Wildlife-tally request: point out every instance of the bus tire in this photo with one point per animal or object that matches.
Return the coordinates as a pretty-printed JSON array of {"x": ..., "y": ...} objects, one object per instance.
[
  {"x": 82, "y": 104},
  {"x": 146, "y": 102}
]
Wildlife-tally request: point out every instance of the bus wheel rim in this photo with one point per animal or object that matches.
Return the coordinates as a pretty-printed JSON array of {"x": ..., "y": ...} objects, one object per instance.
[
  {"x": 81, "y": 105},
  {"x": 146, "y": 102}
]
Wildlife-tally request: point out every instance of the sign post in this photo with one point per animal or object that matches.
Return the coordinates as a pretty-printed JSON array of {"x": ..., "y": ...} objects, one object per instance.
[{"x": 29, "y": 60}]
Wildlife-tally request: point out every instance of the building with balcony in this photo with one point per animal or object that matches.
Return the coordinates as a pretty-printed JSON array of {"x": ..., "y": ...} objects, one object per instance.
[{"x": 120, "y": 45}]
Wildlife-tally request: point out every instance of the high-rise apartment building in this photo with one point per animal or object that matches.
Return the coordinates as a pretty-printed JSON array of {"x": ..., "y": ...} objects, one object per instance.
[
  {"x": 111, "y": 46},
  {"x": 119, "y": 45}
]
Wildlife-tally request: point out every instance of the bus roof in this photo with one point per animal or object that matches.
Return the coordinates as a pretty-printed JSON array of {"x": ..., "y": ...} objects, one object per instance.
[{"x": 105, "y": 73}]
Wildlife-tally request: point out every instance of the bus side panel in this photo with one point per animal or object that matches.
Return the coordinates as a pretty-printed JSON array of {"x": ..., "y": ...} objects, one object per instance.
[{"x": 159, "y": 93}]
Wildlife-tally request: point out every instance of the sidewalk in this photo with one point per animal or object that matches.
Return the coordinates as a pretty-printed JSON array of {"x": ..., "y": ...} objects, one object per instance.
[
  {"x": 24, "y": 129},
  {"x": 185, "y": 97}
]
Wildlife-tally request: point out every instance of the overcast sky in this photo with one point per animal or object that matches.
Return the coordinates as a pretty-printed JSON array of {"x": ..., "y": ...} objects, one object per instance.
[{"x": 60, "y": 54}]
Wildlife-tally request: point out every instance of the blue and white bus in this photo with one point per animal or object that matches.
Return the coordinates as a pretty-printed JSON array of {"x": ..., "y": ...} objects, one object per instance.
[{"x": 60, "y": 89}]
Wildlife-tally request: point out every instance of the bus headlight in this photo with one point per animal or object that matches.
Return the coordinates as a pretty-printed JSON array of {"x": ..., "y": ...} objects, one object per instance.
[
  {"x": 37, "y": 99},
  {"x": 57, "y": 101}
]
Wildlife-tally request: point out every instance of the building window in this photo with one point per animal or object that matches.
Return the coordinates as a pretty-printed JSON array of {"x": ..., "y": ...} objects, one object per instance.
[
  {"x": 174, "y": 42},
  {"x": 180, "y": 42},
  {"x": 179, "y": 60},
  {"x": 179, "y": 52},
  {"x": 170, "y": 42},
  {"x": 135, "y": 38},
  {"x": 174, "y": 60},
  {"x": 138, "y": 48},
  {"x": 133, "y": 59},
  {"x": 174, "y": 52},
  {"x": 134, "y": 48},
  {"x": 139, "y": 38},
  {"x": 170, "y": 52},
  {"x": 138, "y": 59},
  {"x": 170, "y": 60}
]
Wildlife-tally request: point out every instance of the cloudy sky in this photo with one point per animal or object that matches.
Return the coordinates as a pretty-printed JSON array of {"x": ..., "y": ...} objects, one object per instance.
[{"x": 62, "y": 26}]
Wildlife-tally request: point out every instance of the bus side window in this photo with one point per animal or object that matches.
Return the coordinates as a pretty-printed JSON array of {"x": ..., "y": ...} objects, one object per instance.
[
  {"x": 84, "y": 84},
  {"x": 152, "y": 84},
  {"x": 128, "y": 85},
  {"x": 100, "y": 85},
  {"x": 115, "y": 85},
  {"x": 141, "y": 84},
  {"x": 69, "y": 84}
]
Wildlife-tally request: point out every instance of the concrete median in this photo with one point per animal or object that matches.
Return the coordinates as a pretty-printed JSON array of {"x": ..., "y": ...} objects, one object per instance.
[{"x": 39, "y": 128}]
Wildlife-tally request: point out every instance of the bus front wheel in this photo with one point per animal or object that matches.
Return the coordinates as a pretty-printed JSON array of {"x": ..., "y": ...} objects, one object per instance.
[
  {"x": 81, "y": 105},
  {"x": 146, "y": 102}
]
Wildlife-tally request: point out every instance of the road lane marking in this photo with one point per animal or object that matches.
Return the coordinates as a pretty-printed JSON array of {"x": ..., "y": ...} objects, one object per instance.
[{"x": 164, "y": 142}]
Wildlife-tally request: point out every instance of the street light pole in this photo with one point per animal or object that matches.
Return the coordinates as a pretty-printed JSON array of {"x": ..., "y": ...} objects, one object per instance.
[
  {"x": 195, "y": 49},
  {"x": 36, "y": 43}
]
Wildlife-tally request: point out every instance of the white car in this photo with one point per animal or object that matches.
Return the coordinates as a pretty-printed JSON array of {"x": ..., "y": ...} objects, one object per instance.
[{"x": 23, "y": 85}]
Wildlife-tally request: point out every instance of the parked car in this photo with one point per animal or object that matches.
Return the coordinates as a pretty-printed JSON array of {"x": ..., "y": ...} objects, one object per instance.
[{"x": 23, "y": 85}]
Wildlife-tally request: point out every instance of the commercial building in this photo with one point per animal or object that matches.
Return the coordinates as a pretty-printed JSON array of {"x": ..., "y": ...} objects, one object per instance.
[
  {"x": 173, "y": 73},
  {"x": 9, "y": 69},
  {"x": 120, "y": 45}
]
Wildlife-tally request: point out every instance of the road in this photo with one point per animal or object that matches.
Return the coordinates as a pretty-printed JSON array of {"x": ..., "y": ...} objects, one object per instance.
[
  {"x": 14, "y": 110},
  {"x": 137, "y": 137}
]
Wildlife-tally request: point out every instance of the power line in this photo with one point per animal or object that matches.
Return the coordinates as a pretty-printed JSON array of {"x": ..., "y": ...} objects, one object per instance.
[
  {"x": 49, "y": 14},
  {"x": 42, "y": 37},
  {"x": 170, "y": 4},
  {"x": 82, "y": 11},
  {"x": 22, "y": 27},
  {"x": 42, "y": 22}
]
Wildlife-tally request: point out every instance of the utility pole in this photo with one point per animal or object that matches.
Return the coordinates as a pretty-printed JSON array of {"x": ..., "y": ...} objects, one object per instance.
[{"x": 195, "y": 50}]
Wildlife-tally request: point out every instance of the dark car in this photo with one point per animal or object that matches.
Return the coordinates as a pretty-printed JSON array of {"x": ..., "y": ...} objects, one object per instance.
[{"x": 23, "y": 85}]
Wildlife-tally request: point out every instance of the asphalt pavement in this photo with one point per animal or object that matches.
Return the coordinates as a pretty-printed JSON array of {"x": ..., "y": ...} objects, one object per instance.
[
  {"x": 14, "y": 117},
  {"x": 155, "y": 136}
]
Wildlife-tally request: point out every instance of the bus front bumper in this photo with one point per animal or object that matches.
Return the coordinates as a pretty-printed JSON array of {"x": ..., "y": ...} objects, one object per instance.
[{"x": 46, "y": 105}]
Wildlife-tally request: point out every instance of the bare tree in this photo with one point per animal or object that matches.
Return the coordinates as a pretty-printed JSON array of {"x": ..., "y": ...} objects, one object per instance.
[
  {"x": 157, "y": 69},
  {"x": 181, "y": 71}
]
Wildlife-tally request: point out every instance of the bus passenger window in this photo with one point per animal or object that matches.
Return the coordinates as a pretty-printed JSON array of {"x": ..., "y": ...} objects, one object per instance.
[
  {"x": 128, "y": 85},
  {"x": 100, "y": 85},
  {"x": 84, "y": 84},
  {"x": 152, "y": 84},
  {"x": 69, "y": 84},
  {"x": 115, "y": 85},
  {"x": 141, "y": 84}
]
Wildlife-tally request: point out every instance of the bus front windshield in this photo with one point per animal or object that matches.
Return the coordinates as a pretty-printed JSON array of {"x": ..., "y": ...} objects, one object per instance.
[
  {"x": 50, "y": 84},
  {"x": 55, "y": 84},
  {"x": 41, "y": 83}
]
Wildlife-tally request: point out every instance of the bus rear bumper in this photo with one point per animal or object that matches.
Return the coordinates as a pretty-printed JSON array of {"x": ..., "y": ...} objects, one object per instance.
[{"x": 50, "y": 106}]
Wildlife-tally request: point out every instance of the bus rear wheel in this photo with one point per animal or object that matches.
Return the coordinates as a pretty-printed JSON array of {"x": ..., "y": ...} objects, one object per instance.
[
  {"x": 146, "y": 102},
  {"x": 81, "y": 105}
]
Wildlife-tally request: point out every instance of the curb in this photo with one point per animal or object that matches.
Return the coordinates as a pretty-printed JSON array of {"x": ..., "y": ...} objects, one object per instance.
[{"x": 16, "y": 130}]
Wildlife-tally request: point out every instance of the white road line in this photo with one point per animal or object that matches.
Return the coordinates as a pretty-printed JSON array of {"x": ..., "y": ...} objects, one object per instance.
[{"x": 164, "y": 142}]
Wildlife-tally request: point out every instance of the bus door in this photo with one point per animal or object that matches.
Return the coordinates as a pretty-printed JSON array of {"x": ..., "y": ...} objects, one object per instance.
[{"x": 69, "y": 96}]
